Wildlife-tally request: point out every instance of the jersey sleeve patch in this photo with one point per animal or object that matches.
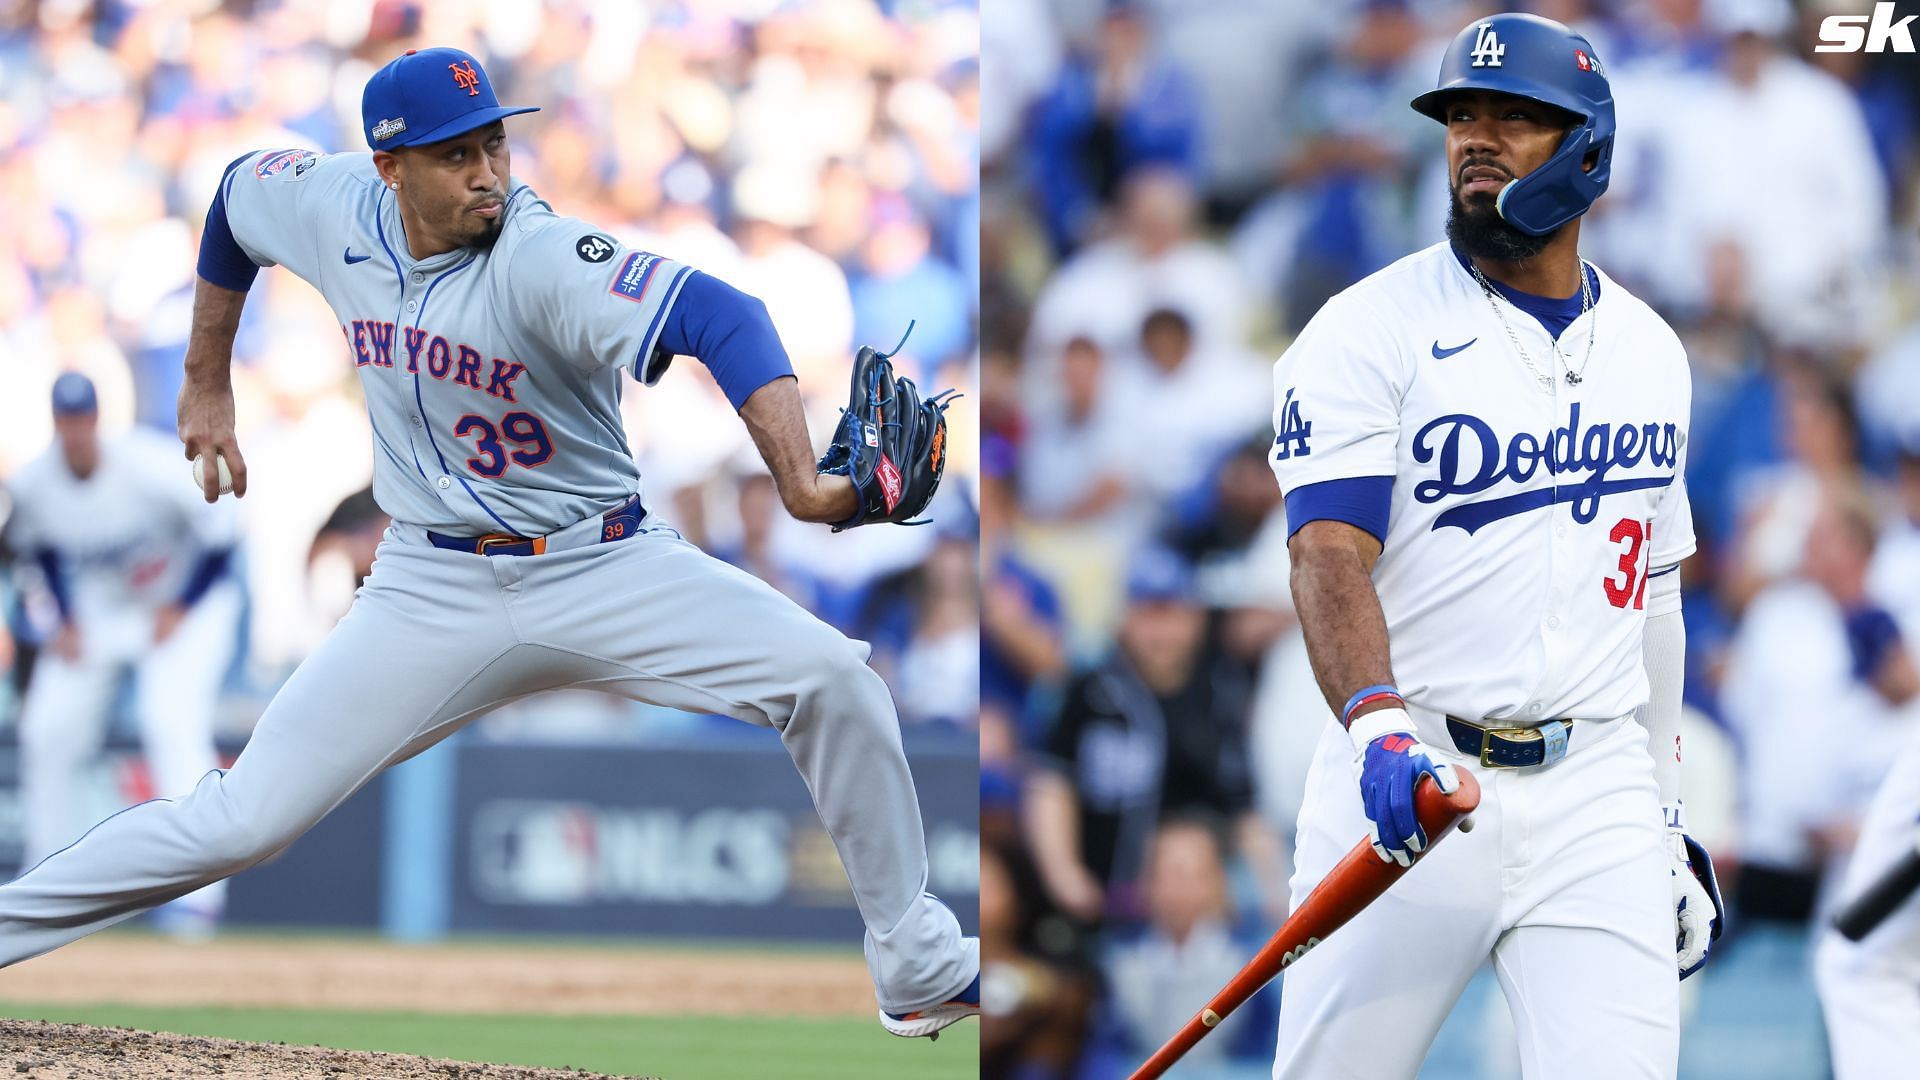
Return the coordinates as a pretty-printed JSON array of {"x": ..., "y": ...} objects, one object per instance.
[
  {"x": 280, "y": 160},
  {"x": 635, "y": 276}
]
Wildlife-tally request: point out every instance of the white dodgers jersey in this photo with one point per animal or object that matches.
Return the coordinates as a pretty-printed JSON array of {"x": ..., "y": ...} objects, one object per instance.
[
  {"x": 125, "y": 535},
  {"x": 1525, "y": 519}
]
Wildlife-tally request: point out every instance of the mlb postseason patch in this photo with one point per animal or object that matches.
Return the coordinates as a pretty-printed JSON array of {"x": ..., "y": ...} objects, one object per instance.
[
  {"x": 635, "y": 273},
  {"x": 276, "y": 162},
  {"x": 387, "y": 129},
  {"x": 594, "y": 248}
]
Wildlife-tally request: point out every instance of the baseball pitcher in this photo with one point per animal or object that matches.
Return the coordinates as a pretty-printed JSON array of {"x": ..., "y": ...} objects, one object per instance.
[
  {"x": 491, "y": 336},
  {"x": 1482, "y": 449}
]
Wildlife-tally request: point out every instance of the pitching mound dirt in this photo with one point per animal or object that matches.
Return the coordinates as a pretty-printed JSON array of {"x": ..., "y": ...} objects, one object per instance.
[
  {"x": 40, "y": 1051},
  {"x": 287, "y": 973}
]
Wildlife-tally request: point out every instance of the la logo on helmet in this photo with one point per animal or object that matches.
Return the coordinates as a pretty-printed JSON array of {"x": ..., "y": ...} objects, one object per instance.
[{"x": 1487, "y": 49}]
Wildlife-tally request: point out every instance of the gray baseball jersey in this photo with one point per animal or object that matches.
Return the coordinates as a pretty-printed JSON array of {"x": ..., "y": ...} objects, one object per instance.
[
  {"x": 493, "y": 382},
  {"x": 492, "y": 378}
]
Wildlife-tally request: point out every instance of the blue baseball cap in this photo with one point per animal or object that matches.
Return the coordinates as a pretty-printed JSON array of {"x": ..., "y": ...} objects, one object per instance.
[
  {"x": 1159, "y": 575},
  {"x": 73, "y": 395},
  {"x": 427, "y": 95}
]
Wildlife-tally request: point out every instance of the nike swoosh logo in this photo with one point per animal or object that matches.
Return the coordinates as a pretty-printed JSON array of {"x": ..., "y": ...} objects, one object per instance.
[
  {"x": 352, "y": 258},
  {"x": 1441, "y": 354}
]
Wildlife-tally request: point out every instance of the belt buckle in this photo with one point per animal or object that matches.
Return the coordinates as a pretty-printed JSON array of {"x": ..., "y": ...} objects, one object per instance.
[
  {"x": 1514, "y": 734},
  {"x": 488, "y": 541}
]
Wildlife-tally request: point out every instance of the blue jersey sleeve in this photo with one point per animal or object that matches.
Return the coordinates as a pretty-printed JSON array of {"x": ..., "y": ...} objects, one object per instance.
[
  {"x": 728, "y": 331},
  {"x": 56, "y": 575},
  {"x": 1360, "y": 501},
  {"x": 222, "y": 261}
]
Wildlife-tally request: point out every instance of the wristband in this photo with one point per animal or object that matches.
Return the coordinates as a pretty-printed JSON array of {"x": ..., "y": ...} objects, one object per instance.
[{"x": 1367, "y": 695}]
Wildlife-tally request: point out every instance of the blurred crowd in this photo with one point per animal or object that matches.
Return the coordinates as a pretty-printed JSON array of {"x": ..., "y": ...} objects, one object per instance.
[
  {"x": 1173, "y": 189},
  {"x": 821, "y": 154}
]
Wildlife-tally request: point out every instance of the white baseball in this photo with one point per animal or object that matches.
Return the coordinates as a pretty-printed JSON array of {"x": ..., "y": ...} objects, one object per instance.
[{"x": 200, "y": 473}]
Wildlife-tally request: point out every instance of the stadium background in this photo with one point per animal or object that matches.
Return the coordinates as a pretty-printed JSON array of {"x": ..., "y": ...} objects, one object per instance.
[
  {"x": 1172, "y": 189},
  {"x": 820, "y": 154}
]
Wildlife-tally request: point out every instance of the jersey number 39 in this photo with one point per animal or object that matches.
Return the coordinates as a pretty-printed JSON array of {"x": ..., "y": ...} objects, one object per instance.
[{"x": 491, "y": 457}]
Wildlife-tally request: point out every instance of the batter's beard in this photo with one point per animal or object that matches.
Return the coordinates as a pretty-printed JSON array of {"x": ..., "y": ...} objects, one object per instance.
[{"x": 1482, "y": 233}]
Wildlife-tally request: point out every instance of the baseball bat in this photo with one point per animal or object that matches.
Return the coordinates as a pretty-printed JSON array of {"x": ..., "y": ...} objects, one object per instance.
[
  {"x": 1891, "y": 889},
  {"x": 1357, "y": 881}
]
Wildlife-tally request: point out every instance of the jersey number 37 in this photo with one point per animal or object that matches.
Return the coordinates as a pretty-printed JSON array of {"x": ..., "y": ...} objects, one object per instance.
[{"x": 1633, "y": 588}]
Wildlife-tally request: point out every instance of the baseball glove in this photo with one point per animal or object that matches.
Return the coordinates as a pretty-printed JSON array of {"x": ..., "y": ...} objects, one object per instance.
[{"x": 891, "y": 443}]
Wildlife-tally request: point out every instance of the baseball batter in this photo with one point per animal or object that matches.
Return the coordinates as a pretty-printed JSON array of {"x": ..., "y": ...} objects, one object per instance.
[
  {"x": 490, "y": 336},
  {"x": 137, "y": 565},
  {"x": 1482, "y": 449}
]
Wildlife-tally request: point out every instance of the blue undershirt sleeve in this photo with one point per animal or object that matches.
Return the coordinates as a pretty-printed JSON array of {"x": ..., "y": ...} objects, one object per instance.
[
  {"x": 208, "y": 569},
  {"x": 222, "y": 262},
  {"x": 49, "y": 561},
  {"x": 1360, "y": 501},
  {"x": 728, "y": 331}
]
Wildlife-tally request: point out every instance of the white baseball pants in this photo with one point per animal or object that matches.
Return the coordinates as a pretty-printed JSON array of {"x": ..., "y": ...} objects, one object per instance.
[
  {"x": 435, "y": 638},
  {"x": 1870, "y": 989},
  {"x": 176, "y": 686},
  {"x": 1563, "y": 881}
]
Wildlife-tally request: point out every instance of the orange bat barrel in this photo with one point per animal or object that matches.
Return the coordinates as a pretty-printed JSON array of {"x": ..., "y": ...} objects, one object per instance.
[{"x": 1357, "y": 881}]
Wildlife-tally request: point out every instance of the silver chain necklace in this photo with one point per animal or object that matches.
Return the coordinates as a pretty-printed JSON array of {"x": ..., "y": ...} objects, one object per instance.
[{"x": 1545, "y": 380}]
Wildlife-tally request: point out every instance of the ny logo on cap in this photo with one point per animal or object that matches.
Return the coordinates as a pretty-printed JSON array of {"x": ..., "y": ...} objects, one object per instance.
[
  {"x": 467, "y": 78},
  {"x": 1487, "y": 49}
]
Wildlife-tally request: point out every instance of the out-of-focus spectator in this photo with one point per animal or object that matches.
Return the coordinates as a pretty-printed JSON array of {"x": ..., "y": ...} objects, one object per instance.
[
  {"x": 1035, "y": 1009},
  {"x": 753, "y": 550},
  {"x": 900, "y": 282},
  {"x": 1188, "y": 404},
  {"x": 1021, "y": 636},
  {"x": 1158, "y": 260},
  {"x": 1123, "y": 107},
  {"x": 925, "y": 628},
  {"x": 805, "y": 292},
  {"x": 1188, "y": 951},
  {"x": 346, "y": 541},
  {"x": 1337, "y": 212},
  {"x": 1803, "y": 656},
  {"x": 1808, "y": 241},
  {"x": 1083, "y": 474},
  {"x": 1820, "y": 437},
  {"x": 1158, "y": 728}
]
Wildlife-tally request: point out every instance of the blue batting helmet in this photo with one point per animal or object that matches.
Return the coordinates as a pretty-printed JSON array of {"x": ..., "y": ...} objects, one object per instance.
[{"x": 1545, "y": 61}]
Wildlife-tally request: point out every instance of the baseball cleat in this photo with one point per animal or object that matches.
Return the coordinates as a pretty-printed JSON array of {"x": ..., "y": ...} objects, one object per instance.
[{"x": 930, "y": 1021}]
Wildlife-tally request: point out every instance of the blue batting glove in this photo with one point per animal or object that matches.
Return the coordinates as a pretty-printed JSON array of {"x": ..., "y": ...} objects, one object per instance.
[{"x": 1390, "y": 760}]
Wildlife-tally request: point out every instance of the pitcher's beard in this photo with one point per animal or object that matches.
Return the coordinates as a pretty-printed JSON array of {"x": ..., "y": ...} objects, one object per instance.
[
  {"x": 484, "y": 239},
  {"x": 1482, "y": 233}
]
